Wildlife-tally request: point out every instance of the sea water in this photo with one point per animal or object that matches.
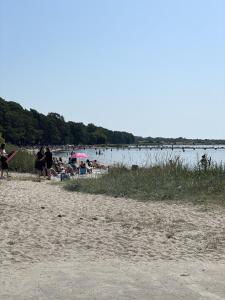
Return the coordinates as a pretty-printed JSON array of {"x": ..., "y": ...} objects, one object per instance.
[{"x": 147, "y": 156}]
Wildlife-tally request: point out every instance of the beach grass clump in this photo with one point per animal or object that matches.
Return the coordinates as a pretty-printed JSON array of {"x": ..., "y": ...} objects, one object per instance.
[
  {"x": 23, "y": 161},
  {"x": 168, "y": 181}
]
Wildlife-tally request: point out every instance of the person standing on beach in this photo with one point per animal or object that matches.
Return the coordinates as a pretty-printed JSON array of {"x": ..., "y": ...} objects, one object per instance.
[
  {"x": 4, "y": 163},
  {"x": 48, "y": 162},
  {"x": 204, "y": 162},
  {"x": 40, "y": 161}
]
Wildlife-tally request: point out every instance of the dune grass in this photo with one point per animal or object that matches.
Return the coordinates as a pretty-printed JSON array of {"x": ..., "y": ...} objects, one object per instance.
[
  {"x": 23, "y": 162},
  {"x": 168, "y": 181}
]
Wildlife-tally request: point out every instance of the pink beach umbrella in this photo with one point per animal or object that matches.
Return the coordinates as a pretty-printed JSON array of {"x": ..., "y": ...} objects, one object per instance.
[{"x": 79, "y": 155}]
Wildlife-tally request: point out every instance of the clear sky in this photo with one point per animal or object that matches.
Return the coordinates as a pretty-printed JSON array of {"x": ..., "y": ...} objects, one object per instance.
[{"x": 153, "y": 68}]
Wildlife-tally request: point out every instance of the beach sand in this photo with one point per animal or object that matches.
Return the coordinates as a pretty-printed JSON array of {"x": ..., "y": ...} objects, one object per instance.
[{"x": 42, "y": 226}]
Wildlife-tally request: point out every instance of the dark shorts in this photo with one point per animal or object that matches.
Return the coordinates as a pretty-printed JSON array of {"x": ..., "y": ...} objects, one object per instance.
[
  {"x": 39, "y": 165},
  {"x": 48, "y": 164},
  {"x": 4, "y": 163}
]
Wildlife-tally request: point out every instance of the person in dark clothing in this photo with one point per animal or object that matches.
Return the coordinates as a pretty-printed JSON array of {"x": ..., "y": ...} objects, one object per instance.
[
  {"x": 48, "y": 162},
  {"x": 3, "y": 159},
  {"x": 40, "y": 161},
  {"x": 205, "y": 162}
]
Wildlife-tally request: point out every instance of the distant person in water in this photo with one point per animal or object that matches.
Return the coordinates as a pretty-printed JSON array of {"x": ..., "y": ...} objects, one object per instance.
[
  {"x": 48, "y": 162},
  {"x": 40, "y": 161},
  {"x": 4, "y": 163}
]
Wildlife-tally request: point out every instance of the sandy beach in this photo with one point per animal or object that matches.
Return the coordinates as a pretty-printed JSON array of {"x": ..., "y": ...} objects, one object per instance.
[{"x": 43, "y": 225}]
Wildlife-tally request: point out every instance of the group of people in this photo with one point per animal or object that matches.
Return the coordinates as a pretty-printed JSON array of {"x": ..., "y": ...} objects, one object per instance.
[
  {"x": 47, "y": 165},
  {"x": 44, "y": 162},
  {"x": 71, "y": 168}
]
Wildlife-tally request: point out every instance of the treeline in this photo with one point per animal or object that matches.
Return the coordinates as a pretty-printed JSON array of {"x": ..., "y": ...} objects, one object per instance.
[
  {"x": 24, "y": 127},
  {"x": 177, "y": 141}
]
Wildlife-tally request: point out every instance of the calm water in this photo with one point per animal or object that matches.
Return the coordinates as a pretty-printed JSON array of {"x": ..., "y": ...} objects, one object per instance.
[{"x": 147, "y": 156}]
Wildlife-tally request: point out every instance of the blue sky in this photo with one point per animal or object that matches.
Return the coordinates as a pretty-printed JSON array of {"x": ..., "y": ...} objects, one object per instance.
[{"x": 153, "y": 68}]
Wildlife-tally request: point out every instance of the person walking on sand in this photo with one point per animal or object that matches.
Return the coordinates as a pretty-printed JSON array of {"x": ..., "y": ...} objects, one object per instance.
[
  {"x": 4, "y": 163},
  {"x": 40, "y": 161},
  {"x": 48, "y": 162}
]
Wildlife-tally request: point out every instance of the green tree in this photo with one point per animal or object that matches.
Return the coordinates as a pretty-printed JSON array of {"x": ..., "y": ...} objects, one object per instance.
[{"x": 29, "y": 127}]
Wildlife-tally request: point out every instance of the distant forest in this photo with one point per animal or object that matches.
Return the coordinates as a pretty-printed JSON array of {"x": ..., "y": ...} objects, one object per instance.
[
  {"x": 177, "y": 141},
  {"x": 24, "y": 127}
]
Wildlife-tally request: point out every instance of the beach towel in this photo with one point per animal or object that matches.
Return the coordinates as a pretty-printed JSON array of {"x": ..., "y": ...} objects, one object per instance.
[{"x": 11, "y": 155}]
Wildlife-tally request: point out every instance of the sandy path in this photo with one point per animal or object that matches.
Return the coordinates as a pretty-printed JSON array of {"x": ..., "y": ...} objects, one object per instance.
[
  {"x": 115, "y": 280},
  {"x": 42, "y": 224}
]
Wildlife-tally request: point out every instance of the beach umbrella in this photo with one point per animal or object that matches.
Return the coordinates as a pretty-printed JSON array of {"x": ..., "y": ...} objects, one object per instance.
[{"x": 79, "y": 155}]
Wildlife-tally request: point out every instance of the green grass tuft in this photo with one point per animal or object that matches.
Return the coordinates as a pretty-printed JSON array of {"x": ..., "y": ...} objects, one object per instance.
[
  {"x": 167, "y": 181},
  {"x": 23, "y": 162}
]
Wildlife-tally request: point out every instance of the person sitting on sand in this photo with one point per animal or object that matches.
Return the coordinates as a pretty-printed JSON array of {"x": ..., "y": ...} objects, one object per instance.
[
  {"x": 89, "y": 166},
  {"x": 4, "y": 163},
  {"x": 66, "y": 168},
  {"x": 97, "y": 165},
  {"x": 73, "y": 164},
  {"x": 56, "y": 165},
  {"x": 69, "y": 170},
  {"x": 89, "y": 163},
  {"x": 56, "y": 168},
  {"x": 53, "y": 172},
  {"x": 83, "y": 168},
  {"x": 82, "y": 165}
]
